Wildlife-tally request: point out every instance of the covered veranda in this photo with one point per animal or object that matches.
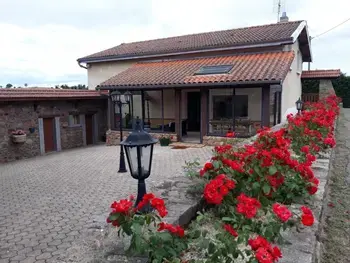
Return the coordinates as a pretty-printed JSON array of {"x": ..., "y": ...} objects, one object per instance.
[{"x": 174, "y": 99}]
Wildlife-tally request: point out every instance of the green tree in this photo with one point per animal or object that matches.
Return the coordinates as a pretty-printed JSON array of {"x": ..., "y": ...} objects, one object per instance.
[{"x": 9, "y": 85}]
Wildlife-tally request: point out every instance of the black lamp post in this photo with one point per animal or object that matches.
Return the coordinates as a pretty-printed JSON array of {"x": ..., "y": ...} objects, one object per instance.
[
  {"x": 139, "y": 152},
  {"x": 299, "y": 105},
  {"x": 116, "y": 98}
]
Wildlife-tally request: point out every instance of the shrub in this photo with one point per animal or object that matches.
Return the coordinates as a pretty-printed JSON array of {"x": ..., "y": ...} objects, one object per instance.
[{"x": 249, "y": 191}]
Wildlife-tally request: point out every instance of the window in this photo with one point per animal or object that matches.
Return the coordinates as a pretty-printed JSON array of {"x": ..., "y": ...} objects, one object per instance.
[
  {"x": 74, "y": 120},
  {"x": 220, "y": 69},
  {"x": 222, "y": 106},
  {"x": 241, "y": 105}
]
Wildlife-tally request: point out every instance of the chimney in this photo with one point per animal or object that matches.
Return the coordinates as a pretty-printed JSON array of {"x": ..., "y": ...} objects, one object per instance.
[{"x": 284, "y": 17}]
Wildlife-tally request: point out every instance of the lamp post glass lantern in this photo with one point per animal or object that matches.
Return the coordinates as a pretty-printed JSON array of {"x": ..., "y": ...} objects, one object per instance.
[
  {"x": 299, "y": 105},
  {"x": 139, "y": 152}
]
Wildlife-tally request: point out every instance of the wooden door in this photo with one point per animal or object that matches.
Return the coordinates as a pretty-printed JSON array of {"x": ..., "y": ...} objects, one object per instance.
[
  {"x": 89, "y": 129},
  {"x": 49, "y": 139}
]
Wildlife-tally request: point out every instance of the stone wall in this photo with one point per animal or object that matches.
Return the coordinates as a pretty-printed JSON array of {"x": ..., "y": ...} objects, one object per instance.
[
  {"x": 326, "y": 88},
  {"x": 113, "y": 137},
  {"x": 24, "y": 115},
  {"x": 18, "y": 116}
]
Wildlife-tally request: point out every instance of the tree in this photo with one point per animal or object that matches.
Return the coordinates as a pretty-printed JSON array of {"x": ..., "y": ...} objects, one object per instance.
[
  {"x": 25, "y": 84},
  {"x": 9, "y": 85}
]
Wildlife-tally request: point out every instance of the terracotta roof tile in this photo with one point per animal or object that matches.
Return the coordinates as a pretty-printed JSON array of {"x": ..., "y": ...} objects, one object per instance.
[
  {"x": 47, "y": 94},
  {"x": 246, "y": 68},
  {"x": 321, "y": 74},
  {"x": 218, "y": 39}
]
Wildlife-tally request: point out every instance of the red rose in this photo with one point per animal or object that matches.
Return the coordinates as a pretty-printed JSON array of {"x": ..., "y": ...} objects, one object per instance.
[
  {"x": 230, "y": 229},
  {"x": 307, "y": 218},
  {"x": 230, "y": 134},
  {"x": 208, "y": 166},
  {"x": 281, "y": 212}
]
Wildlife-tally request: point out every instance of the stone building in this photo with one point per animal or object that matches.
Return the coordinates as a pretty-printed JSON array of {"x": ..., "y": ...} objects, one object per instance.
[{"x": 52, "y": 119}]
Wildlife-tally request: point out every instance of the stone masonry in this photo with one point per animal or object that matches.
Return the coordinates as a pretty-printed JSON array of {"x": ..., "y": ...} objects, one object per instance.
[
  {"x": 325, "y": 88},
  {"x": 24, "y": 115},
  {"x": 113, "y": 137}
]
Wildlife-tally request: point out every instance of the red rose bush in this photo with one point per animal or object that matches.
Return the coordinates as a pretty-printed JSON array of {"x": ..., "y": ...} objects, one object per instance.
[{"x": 248, "y": 191}]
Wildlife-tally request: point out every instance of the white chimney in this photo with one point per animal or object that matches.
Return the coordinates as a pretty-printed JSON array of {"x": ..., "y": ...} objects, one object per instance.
[{"x": 284, "y": 17}]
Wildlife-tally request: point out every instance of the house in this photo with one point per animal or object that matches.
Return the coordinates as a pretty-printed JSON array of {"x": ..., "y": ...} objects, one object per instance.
[
  {"x": 52, "y": 119},
  {"x": 200, "y": 86}
]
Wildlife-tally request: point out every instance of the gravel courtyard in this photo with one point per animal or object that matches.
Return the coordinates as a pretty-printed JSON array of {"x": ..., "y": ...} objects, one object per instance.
[{"x": 46, "y": 202}]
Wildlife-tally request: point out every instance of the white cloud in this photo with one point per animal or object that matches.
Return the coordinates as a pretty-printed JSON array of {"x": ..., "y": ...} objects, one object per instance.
[{"x": 41, "y": 40}]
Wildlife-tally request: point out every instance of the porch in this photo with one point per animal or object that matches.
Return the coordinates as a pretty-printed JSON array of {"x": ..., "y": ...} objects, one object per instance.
[
  {"x": 207, "y": 96},
  {"x": 197, "y": 115}
]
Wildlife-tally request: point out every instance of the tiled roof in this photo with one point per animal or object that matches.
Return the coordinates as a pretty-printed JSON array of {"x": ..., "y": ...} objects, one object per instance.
[
  {"x": 211, "y": 40},
  {"x": 321, "y": 74},
  {"x": 47, "y": 94},
  {"x": 272, "y": 66}
]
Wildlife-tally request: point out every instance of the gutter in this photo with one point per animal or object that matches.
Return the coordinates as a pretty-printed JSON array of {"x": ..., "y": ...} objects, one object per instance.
[
  {"x": 119, "y": 58},
  {"x": 216, "y": 84},
  {"x": 82, "y": 66}
]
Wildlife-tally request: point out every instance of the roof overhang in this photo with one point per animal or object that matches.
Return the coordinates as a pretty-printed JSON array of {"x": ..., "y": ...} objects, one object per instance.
[
  {"x": 301, "y": 34},
  {"x": 194, "y": 85},
  {"x": 127, "y": 57},
  {"x": 321, "y": 74}
]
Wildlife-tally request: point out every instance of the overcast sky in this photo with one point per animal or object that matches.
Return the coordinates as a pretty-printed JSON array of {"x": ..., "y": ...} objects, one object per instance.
[{"x": 41, "y": 39}]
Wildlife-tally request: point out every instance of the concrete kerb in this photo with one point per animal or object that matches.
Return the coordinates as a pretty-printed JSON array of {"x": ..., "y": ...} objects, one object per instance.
[{"x": 317, "y": 254}]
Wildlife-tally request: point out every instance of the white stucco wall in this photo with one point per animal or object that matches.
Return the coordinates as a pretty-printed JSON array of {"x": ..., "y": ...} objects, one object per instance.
[
  {"x": 99, "y": 72},
  {"x": 291, "y": 89}
]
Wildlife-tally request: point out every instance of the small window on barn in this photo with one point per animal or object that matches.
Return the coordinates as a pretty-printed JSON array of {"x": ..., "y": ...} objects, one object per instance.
[
  {"x": 74, "y": 120},
  {"x": 219, "y": 69}
]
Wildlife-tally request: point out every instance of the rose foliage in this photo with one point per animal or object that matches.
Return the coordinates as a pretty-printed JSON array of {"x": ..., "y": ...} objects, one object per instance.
[{"x": 250, "y": 190}]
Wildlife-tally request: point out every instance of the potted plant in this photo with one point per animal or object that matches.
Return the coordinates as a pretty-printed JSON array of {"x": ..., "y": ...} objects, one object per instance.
[
  {"x": 164, "y": 141},
  {"x": 19, "y": 136}
]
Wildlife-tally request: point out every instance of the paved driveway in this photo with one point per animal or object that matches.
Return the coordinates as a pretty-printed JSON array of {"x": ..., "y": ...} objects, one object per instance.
[{"x": 46, "y": 202}]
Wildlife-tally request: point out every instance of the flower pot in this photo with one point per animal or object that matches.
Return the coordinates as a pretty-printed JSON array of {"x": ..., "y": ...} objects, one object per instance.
[
  {"x": 166, "y": 143},
  {"x": 19, "y": 138}
]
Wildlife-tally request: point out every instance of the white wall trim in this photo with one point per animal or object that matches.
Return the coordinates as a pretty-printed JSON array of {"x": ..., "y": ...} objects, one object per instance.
[
  {"x": 297, "y": 32},
  {"x": 41, "y": 136}
]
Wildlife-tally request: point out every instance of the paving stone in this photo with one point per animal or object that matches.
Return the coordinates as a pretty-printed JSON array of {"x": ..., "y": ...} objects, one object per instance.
[
  {"x": 45, "y": 255},
  {"x": 18, "y": 257},
  {"x": 58, "y": 195},
  {"x": 28, "y": 260}
]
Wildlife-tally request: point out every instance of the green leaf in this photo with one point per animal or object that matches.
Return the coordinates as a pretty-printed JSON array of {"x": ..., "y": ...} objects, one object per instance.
[
  {"x": 113, "y": 217},
  {"x": 211, "y": 248},
  {"x": 196, "y": 234},
  {"x": 216, "y": 164},
  {"x": 256, "y": 185},
  {"x": 272, "y": 170},
  {"x": 266, "y": 188},
  {"x": 264, "y": 201},
  {"x": 227, "y": 219},
  {"x": 165, "y": 236}
]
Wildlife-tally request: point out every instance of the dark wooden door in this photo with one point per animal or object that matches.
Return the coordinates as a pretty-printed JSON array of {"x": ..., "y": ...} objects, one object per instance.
[
  {"x": 49, "y": 134},
  {"x": 89, "y": 129},
  {"x": 194, "y": 111}
]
